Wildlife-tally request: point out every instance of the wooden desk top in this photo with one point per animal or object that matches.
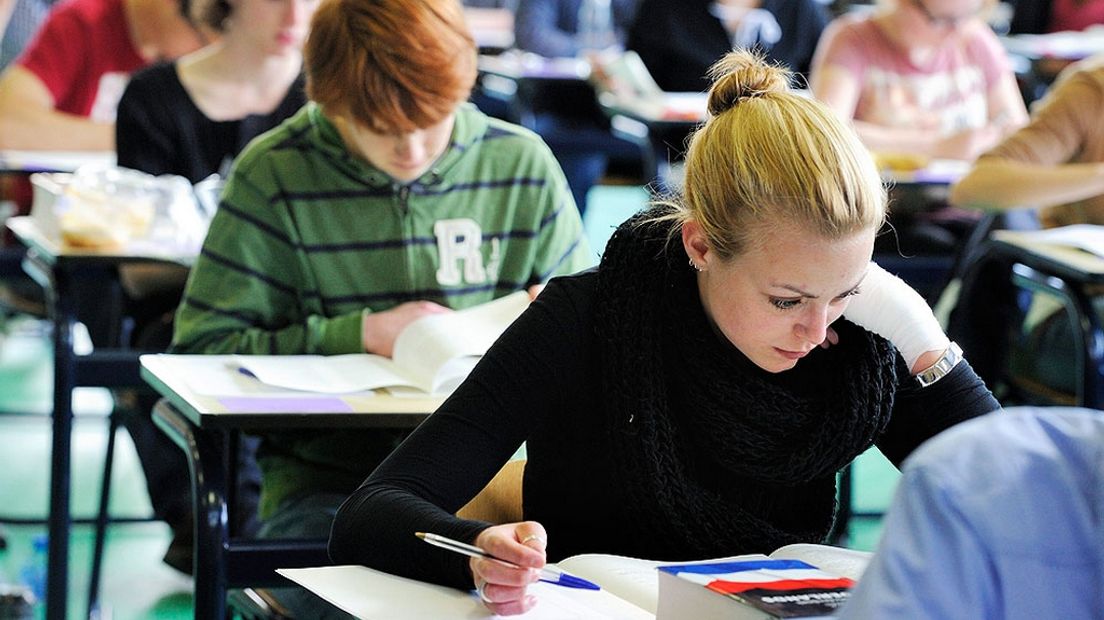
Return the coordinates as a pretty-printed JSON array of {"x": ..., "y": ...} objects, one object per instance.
[{"x": 247, "y": 403}]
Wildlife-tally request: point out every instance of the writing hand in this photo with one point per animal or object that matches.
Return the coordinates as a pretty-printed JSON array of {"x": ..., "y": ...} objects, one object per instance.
[{"x": 503, "y": 588}]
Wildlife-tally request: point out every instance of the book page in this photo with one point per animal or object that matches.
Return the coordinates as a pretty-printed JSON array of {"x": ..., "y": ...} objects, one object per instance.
[
  {"x": 327, "y": 374},
  {"x": 632, "y": 579},
  {"x": 370, "y": 594},
  {"x": 836, "y": 560},
  {"x": 427, "y": 345}
]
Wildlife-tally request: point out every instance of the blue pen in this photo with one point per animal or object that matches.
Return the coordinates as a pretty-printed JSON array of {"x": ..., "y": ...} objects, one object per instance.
[{"x": 551, "y": 574}]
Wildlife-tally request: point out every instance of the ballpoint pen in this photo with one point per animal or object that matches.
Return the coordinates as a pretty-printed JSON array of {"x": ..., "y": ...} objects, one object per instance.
[{"x": 549, "y": 574}]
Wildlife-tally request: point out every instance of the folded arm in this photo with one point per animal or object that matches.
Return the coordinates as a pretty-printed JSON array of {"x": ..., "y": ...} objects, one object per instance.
[{"x": 28, "y": 119}]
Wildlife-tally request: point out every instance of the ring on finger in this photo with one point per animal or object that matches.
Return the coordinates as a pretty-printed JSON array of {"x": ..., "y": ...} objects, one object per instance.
[
  {"x": 482, "y": 590},
  {"x": 534, "y": 537}
]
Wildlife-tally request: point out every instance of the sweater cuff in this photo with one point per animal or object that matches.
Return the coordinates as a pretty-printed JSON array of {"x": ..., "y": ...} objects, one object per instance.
[{"x": 342, "y": 334}]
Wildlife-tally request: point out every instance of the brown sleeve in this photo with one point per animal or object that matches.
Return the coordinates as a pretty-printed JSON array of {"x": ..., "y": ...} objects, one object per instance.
[{"x": 1065, "y": 125}]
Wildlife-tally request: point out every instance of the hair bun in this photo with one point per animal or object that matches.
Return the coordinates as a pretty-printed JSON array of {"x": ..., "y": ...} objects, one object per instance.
[{"x": 741, "y": 75}]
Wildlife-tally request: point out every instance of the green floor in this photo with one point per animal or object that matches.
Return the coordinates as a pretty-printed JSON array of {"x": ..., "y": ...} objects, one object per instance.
[{"x": 136, "y": 584}]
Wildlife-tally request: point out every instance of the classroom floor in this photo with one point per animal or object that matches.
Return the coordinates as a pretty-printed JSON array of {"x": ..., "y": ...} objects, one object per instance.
[{"x": 136, "y": 584}]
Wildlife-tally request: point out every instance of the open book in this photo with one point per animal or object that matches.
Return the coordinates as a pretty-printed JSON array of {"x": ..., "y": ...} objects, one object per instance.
[
  {"x": 433, "y": 355},
  {"x": 630, "y": 587},
  {"x": 1086, "y": 237}
]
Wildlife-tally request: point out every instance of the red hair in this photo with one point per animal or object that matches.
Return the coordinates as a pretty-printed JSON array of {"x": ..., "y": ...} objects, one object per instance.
[{"x": 391, "y": 65}]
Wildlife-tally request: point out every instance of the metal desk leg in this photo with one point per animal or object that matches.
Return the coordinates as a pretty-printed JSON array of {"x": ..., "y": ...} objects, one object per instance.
[
  {"x": 63, "y": 313},
  {"x": 212, "y": 535}
]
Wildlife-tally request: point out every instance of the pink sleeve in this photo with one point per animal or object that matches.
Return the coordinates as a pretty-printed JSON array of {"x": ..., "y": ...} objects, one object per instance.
[
  {"x": 986, "y": 51},
  {"x": 842, "y": 46}
]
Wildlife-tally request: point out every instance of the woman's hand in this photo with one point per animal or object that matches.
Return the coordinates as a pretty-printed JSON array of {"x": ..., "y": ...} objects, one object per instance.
[
  {"x": 503, "y": 587},
  {"x": 380, "y": 329},
  {"x": 889, "y": 307}
]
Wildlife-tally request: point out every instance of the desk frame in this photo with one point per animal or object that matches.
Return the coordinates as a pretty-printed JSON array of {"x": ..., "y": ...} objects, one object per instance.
[
  {"x": 58, "y": 270},
  {"x": 209, "y": 439},
  {"x": 1065, "y": 273}
]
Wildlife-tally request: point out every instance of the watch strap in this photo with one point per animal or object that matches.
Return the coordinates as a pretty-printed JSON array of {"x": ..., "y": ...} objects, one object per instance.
[{"x": 946, "y": 362}]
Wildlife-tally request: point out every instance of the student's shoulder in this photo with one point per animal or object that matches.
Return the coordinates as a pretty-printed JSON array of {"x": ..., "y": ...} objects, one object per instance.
[
  {"x": 851, "y": 26},
  {"x": 294, "y": 137},
  {"x": 157, "y": 79},
  {"x": 69, "y": 17},
  {"x": 479, "y": 128},
  {"x": 573, "y": 295}
]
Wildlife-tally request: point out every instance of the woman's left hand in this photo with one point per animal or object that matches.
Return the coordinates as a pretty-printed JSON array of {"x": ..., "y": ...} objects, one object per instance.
[
  {"x": 830, "y": 338},
  {"x": 501, "y": 586},
  {"x": 891, "y": 308}
]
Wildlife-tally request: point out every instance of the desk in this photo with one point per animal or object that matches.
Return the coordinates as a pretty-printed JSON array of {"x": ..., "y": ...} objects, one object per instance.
[
  {"x": 1070, "y": 274},
  {"x": 1042, "y": 56},
  {"x": 492, "y": 29},
  {"x": 53, "y": 161},
  {"x": 658, "y": 125},
  {"x": 206, "y": 427},
  {"x": 57, "y": 269}
]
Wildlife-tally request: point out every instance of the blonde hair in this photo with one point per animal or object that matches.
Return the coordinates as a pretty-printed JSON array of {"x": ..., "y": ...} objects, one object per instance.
[{"x": 768, "y": 155}]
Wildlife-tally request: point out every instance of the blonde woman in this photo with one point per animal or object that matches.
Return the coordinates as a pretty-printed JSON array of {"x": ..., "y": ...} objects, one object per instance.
[{"x": 682, "y": 400}]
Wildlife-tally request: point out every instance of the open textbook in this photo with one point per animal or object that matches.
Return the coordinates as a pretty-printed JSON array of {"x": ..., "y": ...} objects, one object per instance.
[
  {"x": 630, "y": 587},
  {"x": 432, "y": 355}
]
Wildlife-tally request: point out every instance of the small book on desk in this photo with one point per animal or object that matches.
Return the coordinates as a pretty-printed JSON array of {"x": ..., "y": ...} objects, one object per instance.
[
  {"x": 631, "y": 588},
  {"x": 752, "y": 588},
  {"x": 432, "y": 355}
]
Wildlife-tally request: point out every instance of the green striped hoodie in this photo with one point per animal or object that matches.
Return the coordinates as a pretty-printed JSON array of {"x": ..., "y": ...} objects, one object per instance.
[{"x": 308, "y": 237}]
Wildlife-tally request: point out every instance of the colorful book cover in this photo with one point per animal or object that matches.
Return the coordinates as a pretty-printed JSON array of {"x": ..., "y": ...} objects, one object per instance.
[{"x": 779, "y": 588}]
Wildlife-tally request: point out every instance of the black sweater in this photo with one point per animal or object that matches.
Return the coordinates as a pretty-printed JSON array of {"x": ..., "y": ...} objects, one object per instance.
[
  {"x": 679, "y": 40},
  {"x": 541, "y": 383},
  {"x": 160, "y": 130}
]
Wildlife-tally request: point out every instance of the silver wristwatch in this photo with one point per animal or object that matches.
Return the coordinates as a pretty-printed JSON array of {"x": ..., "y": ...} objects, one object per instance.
[{"x": 950, "y": 358}]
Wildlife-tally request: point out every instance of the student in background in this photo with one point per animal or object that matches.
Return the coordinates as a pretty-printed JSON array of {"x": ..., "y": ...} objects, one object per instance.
[
  {"x": 550, "y": 28},
  {"x": 1001, "y": 517},
  {"x": 190, "y": 118},
  {"x": 62, "y": 92},
  {"x": 679, "y": 40},
  {"x": 696, "y": 395},
  {"x": 385, "y": 199},
  {"x": 925, "y": 77},
  {"x": 567, "y": 114}
]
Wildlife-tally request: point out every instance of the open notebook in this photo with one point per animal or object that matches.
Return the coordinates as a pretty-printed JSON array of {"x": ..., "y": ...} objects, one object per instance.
[{"x": 629, "y": 587}]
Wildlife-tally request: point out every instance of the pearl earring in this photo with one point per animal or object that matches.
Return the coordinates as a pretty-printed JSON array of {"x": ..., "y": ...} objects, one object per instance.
[{"x": 694, "y": 265}]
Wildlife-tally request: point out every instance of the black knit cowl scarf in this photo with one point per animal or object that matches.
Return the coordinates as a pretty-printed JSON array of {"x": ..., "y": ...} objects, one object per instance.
[{"x": 719, "y": 457}]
